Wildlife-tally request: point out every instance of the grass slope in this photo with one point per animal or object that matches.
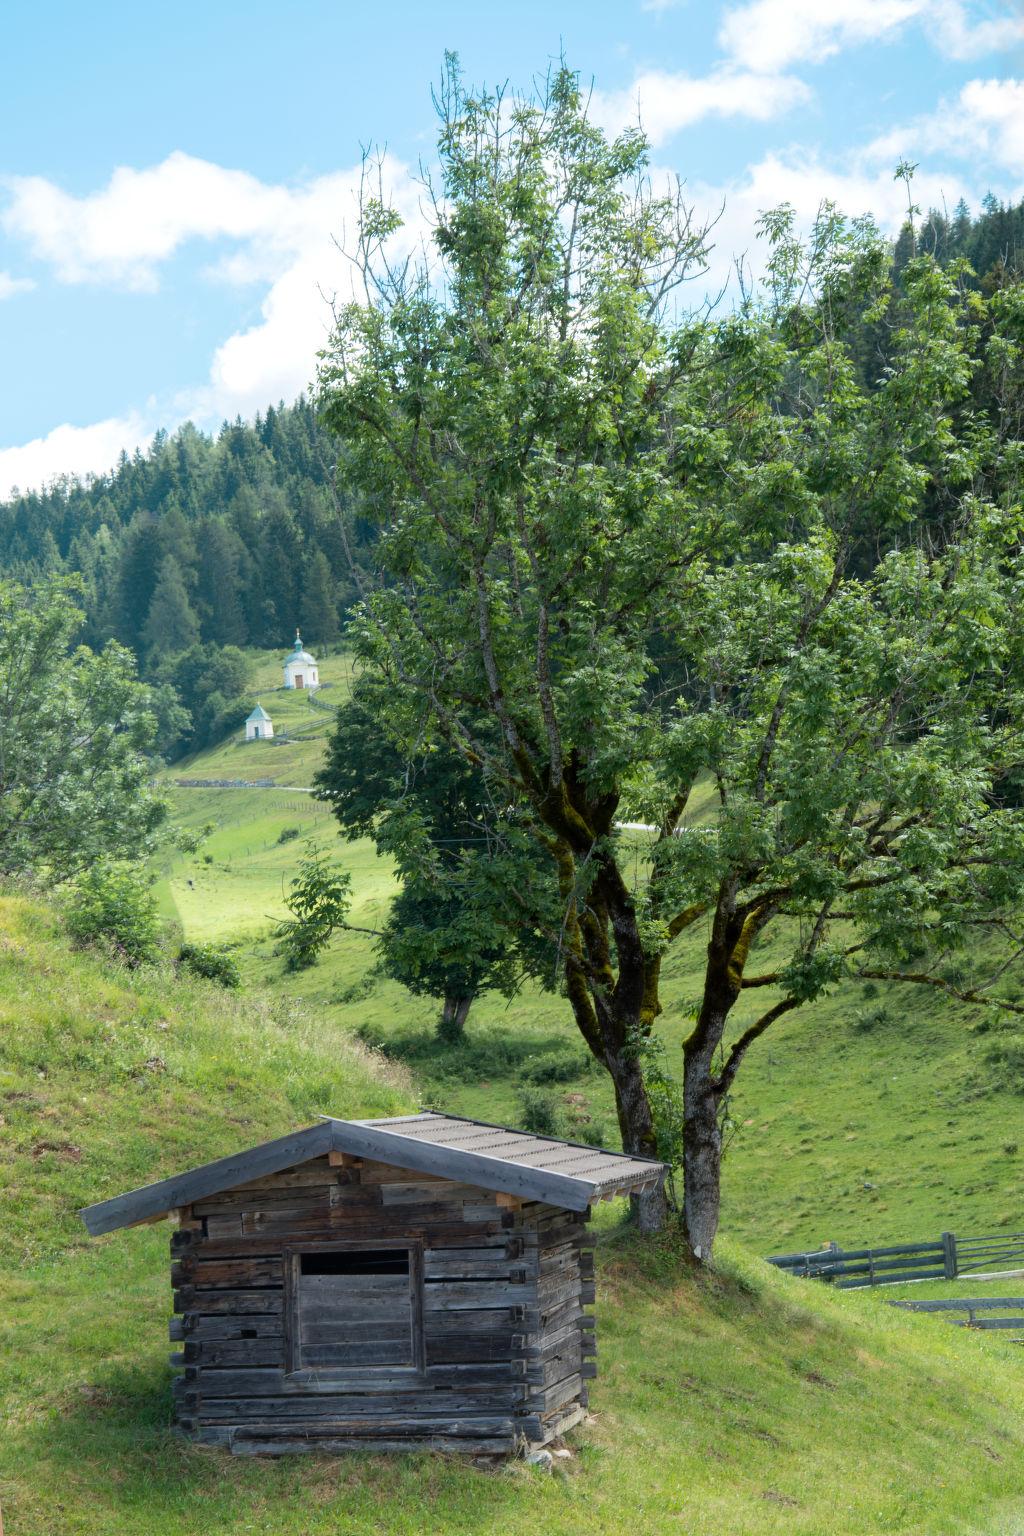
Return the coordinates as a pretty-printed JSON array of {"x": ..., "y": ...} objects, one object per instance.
[
  {"x": 877, "y": 1114},
  {"x": 739, "y": 1402}
]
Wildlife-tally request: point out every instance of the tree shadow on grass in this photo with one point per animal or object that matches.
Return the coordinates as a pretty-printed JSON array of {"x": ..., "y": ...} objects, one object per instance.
[{"x": 486, "y": 1053}]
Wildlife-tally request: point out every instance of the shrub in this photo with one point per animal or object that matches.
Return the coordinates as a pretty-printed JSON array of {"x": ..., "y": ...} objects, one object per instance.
[
  {"x": 289, "y": 834},
  {"x": 539, "y": 1111},
  {"x": 212, "y": 963},
  {"x": 364, "y": 987},
  {"x": 318, "y": 901},
  {"x": 113, "y": 905},
  {"x": 555, "y": 1067}
]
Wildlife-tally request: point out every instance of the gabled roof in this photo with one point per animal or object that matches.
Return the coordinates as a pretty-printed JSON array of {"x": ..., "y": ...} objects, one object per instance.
[{"x": 563, "y": 1173}]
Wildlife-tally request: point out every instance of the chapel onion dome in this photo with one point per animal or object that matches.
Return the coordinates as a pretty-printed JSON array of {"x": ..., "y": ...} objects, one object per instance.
[{"x": 298, "y": 654}]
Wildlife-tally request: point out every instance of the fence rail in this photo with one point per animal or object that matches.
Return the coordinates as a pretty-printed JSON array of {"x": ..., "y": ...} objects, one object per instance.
[
  {"x": 943, "y": 1258},
  {"x": 972, "y": 1305}
]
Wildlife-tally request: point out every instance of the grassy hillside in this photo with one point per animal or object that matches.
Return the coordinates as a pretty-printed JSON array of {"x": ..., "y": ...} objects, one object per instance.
[
  {"x": 740, "y": 1402},
  {"x": 879, "y": 1113}
]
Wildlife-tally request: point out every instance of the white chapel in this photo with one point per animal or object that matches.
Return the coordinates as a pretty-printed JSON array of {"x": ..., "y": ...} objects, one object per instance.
[
  {"x": 259, "y": 726},
  {"x": 300, "y": 669}
]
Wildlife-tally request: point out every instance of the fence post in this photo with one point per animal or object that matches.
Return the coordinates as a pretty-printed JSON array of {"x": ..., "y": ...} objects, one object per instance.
[{"x": 949, "y": 1255}]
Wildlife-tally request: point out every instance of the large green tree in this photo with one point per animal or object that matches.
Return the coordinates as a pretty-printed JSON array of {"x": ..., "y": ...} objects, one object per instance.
[
  {"x": 75, "y": 727},
  {"x": 453, "y": 930},
  {"x": 710, "y": 575}
]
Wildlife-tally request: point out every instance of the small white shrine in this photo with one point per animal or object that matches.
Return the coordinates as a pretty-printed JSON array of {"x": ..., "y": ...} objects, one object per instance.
[
  {"x": 300, "y": 669},
  {"x": 259, "y": 726}
]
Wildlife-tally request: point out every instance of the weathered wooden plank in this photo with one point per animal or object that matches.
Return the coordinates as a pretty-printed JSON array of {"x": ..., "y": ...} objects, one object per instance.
[
  {"x": 969, "y": 1304},
  {"x": 268, "y": 1300},
  {"x": 223, "y": 1226},
  {"x": 301, "y": 1197},
  {"x": 356, "y": 1407},
  {"x": 351, "y": 1331},
  {"x": 205, "y": 1353},
  {"x": 337, "y": 1445},
  {"x": 1016, "y": 1323},
  {"x": 223, "y": 1325},
  {"x": 228, "y": 1274},
  {"x": 391, "y": 1225},
  {"x": 472, "y": 1167},
  {"x": 556, "y": 1395},
  {"x": 430, "y": 1192},
  {"x": 377, "y": 1329},
  {"x": 473, "y": 1263},
  {"x": 316, "y": 1171},
  {"x": 469, "y": 1295},
  {"x": 225, "y": 1173}
]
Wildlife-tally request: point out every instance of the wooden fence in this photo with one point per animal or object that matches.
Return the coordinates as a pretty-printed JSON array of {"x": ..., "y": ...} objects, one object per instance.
[
  {"x": 972, "y": 1305},
  {"x": 851, "y": 1268},
  {"x": 942, "y": 1258}
]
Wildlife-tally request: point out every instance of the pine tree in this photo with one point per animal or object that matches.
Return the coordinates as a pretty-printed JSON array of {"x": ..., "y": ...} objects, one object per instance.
[
  {"x": 318, "y": 605},
  {"x": 171, "y": 625},
  {"x": 217, "y": 584}
]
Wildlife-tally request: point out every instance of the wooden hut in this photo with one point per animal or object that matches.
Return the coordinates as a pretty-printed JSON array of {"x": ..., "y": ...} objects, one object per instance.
[{"x": 409, "y": 1283}]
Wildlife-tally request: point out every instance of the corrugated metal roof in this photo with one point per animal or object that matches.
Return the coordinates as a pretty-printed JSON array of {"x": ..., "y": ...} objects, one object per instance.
[{"x": 493, "y": 1157}]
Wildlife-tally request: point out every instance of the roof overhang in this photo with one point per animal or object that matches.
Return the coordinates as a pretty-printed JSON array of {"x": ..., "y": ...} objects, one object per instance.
[{"x": 371, "y": 1140}]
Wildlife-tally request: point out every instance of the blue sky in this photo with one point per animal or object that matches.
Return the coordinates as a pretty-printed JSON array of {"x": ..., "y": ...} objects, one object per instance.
[{"x": 170, "y": 178}]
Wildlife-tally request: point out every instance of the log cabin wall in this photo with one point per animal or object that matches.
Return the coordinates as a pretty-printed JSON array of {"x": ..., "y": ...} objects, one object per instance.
[{"x": 349, "y": 1304}]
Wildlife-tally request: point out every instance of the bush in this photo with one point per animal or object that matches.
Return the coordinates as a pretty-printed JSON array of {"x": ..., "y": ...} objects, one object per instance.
[
  {"x": 539, "y": 1111},
  {"x": 113, "y": 905},
  {"x": 867, "y": 1019},
  {"x": 355, "y": 993},
  {"x": 210, "y": 962},
  {"x": 555, "y": 1067},
  {"x": 289, "y": 834}
]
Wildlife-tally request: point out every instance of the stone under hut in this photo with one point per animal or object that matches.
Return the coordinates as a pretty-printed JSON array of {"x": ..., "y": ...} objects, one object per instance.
[{"x": 411, "y": 1283}]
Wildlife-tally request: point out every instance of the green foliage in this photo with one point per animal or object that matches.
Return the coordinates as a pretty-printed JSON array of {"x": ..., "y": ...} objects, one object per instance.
[
  {"x": 289, "y": 834},
  {"x": 318, "y": 901},
  {"x": 211, "y": 962},
  {"x": 629, "y": 553},
  {"x": 540, "y": 1111},
  {"x": 211, "y": 683},
  {"x": 75, "y": 730},
  {"x": 455, "y": 928},
  {"x": 199, "y": 538},
  {"x": 112, "y": 905},
  {"x": 190, "y": 840}
]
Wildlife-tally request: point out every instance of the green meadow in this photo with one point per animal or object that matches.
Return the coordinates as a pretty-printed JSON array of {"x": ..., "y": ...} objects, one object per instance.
[
  {"x": 878, "y": 1114},
  {"x": 739, "y": 1401}
]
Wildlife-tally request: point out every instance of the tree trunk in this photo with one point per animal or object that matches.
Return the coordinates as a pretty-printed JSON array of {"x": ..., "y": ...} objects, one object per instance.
[
  {"x": 636, "y": 1128},
  {"x": 702, "y": 1148},
  {"x": 451, "y": 1026}
]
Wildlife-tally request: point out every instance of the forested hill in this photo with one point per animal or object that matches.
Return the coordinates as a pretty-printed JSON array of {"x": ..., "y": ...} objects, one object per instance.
[
  {"x": 203, "y": 545},
  {"x": 194, "y": 550},
  {"x": 227, "y": 540}
]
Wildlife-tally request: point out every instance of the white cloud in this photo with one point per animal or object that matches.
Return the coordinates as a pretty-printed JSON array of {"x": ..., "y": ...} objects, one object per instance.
[
  {"x": 9, "y": 285},
  {"x": 69, "y": 450},
  {"x": 771, "y": 35},
  {"x": 985, "y": 124},
  {"x": 804, "y": 181},
  {"x": 140, "y": 218},
  {"x": 664, "y": 103},
  {"x": 281, "y": 237}
]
